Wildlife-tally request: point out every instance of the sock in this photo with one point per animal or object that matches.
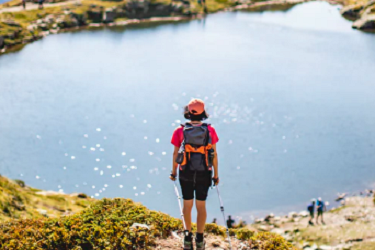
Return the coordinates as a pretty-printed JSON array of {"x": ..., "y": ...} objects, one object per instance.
[
  {"x": 189, "y": 237},
  {"x": 199, "y": 237}
]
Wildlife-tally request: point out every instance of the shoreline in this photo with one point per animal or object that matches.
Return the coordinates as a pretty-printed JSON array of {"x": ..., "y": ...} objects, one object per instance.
[{"x": 41, "y": 27}]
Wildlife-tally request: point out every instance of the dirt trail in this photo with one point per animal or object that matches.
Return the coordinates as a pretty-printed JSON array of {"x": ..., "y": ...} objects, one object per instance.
[{"x": 33, "y": 6}]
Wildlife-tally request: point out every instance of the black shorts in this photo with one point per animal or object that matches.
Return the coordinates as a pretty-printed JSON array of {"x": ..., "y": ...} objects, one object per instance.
[{"x": 200, "y": 186}]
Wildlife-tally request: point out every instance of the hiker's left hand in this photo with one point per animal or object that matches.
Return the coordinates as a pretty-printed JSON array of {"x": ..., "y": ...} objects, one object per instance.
[{"x": 172, "y": 176}]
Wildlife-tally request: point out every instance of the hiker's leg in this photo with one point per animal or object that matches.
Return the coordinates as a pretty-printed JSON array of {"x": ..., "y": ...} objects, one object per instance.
[
  {"x": 202, "y": 215},
  {"x": 188, "y": 205}
]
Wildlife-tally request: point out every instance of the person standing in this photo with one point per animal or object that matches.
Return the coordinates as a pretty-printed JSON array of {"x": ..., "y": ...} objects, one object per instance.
[
  {"x": 230, "y": 222},
  {"x": 24, "y": 4},
  {"x": 196, "y": 154},
  {"x": 311, "y": 209},
  {"x": 320, "y": 210}
]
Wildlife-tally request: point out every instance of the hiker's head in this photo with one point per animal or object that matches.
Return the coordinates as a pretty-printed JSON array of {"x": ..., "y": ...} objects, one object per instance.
[{"x": 195, "y": 111}]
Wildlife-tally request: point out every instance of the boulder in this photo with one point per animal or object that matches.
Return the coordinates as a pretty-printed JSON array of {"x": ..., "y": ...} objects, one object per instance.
[
  {"x": 351, "y": 12},
  {"x": 95, "y": 14},
  {"x": 109, "y": 15},
  {"x": 11, "y": 23},
  {"x": 365, "y": 23}
]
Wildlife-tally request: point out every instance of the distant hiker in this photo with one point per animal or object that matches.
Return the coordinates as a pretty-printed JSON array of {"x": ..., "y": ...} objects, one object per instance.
[
  {"x": 24, "y": 4},
  {"x": 214, "y": 221},
  {"x": 320, "y": 208},
  {"x": 41, "y": 4},
  {"x": 311, "y": 209},
  {"x": 194, "y": 155},
  {"x": 230, "y": 222}
]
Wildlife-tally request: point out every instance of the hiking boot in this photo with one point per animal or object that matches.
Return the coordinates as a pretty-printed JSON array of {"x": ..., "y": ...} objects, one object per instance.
[
  {"x": 188, "y": 244},
  {"x": 200, "y": 245}
]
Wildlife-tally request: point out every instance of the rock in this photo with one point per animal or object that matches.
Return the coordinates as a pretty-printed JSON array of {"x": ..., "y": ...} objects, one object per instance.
[
  {"x": 42, "y": 212},
  {"x": 82, "y": 195},
  {"x": 137, "y": 225},
  {"x": 109, "y": 15},
  {"x": 292, "y": 215},
  {"x": 95, "y": 15},
  {"x": 1, "y": 42},
  {"x": 43, "y": 26},
  {"x": 324, "y": 247},
  {"x": 303, "y": 214},
  {"x": 263, "y": 228},
  {"x": 367, "y": 22},
  {"x": 278, "y": 231},
  {"x": 351, "y": 12},
  {"x": 21, "y": 183},
  {"x": 11, "y": 23}
]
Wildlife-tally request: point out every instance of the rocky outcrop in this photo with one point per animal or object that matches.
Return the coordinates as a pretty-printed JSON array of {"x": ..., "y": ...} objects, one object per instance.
[
  {"x": 352, "y": 12},
  {"x": 366, "y": 23}
]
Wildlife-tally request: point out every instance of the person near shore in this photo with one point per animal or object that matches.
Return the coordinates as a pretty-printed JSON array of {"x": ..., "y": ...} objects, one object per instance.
[
  {"x": 214, "y": 221},
  {"x": 194, "y": 164},
  {"x": 40, "y": 4},
  {"x": 320, "y": 207},
  {"x": 230, "y": 222},
  {"x": 311, "y": 209},
  {"x": 24, "y": 4}
]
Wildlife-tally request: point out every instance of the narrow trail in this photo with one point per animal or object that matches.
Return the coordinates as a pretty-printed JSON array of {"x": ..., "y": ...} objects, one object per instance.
[{"x": 34, "y": 6}]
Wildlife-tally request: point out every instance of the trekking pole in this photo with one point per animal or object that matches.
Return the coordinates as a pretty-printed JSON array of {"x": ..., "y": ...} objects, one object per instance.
[
  {"x": 179, "y": 203},
  {"x": 222, "y": 210}
]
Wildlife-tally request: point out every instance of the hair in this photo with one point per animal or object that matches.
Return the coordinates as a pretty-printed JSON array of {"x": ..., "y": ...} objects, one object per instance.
[{"x": 192, "y": 117}]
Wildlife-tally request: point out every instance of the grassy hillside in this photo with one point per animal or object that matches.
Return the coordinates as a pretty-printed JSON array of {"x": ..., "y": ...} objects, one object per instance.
[
  {"x": 103, "y": 224},
  {"x": 20, "y": 201}
]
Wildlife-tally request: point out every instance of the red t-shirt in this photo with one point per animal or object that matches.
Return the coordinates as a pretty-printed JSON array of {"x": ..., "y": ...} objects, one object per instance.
[{"x": 178, "y": 136}]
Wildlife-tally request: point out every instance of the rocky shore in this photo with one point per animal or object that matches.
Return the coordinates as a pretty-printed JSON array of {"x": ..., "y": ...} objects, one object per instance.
[
  {"x": 19, "y": 27},
  {"x": 351, "y": 226}
]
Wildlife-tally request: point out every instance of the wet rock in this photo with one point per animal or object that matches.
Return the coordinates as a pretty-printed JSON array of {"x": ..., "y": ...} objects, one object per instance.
[
  {"x": 367, "y": 22},
  {"x": 351, "y": 12}
]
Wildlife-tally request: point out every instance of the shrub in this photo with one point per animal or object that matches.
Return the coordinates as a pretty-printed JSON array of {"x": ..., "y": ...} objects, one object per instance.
[{"x": 105, "y": 225}]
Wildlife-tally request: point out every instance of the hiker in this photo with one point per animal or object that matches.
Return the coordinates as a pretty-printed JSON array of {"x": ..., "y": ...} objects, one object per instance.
[
  {"x": 320, "y": 208},
  {"x": 41, "y": 4},
  {"x": 195, "y": 151},
  {"x": 24, "y": 4},
  {"x": 311, "y": 209},
  {"x": 230, "y": 222},
  {"x": 214, "y": 221}
]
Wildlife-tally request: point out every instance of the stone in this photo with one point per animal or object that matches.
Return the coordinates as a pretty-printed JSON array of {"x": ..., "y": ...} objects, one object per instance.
[
  {"x": 325, "y": 247},
  {"x": 351, "y": 12},
  {"x": 109, "y": 15},
  {"x": 95, "y": 15},
  {"x": 303, "y": 214},
  {"x": 367, "y": 22},
  {"x": 292, "y": 215},
  {"x": 11, "y": 23},
  {"x": 137, "y": 225},
  {"x": 1, "y": 42}
]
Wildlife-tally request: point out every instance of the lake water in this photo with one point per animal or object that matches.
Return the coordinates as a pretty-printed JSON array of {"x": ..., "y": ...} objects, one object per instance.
[{"x": 291, "y": 95}]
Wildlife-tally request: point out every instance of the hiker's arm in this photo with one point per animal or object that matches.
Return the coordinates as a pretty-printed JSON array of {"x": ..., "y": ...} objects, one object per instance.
[
  {"x": 215, "y": 163},
  {"x": 174, "y": 163}
]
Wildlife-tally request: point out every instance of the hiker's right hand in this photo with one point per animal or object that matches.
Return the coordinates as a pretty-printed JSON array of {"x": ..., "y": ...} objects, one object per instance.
[{"x": 216, "y": 181}]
